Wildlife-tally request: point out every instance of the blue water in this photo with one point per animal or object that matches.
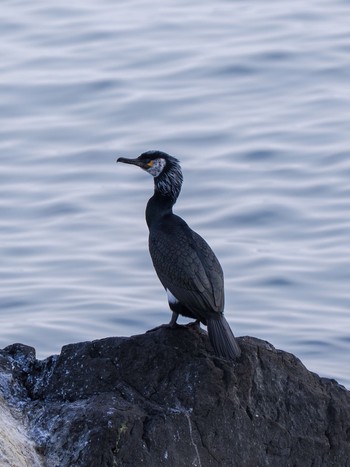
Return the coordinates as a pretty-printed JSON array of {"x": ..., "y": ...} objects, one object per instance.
[{"x": 253, "y": 98}]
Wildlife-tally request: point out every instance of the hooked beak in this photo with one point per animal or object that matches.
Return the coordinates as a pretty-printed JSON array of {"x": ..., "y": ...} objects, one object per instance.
[{"x": 132, "y": 161}]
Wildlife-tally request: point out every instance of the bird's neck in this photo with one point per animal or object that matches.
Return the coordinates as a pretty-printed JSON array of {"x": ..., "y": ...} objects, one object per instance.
[
  {"x": 157, "y": 208},
  {"x": 168, "y": 183},
  {"x": 167, "y": 187}
]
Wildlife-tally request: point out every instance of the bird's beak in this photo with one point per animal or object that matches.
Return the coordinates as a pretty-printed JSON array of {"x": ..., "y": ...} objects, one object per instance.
[{"x": 133, "y": 162}]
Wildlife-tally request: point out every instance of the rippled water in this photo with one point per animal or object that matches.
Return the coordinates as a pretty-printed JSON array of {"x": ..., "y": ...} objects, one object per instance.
[{"x": 253, "y": 97}]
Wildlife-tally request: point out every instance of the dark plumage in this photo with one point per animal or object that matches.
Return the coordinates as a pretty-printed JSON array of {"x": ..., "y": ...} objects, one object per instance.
[{"x": 184, "y": 262}]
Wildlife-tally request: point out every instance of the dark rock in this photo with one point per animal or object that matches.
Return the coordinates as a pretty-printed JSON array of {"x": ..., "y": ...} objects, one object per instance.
[
  {"x": 162, "y": 398},
  {"x": 16, "y": 447}
]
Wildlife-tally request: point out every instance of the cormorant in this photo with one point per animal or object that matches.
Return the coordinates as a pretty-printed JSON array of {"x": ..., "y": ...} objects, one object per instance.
[{"x": 184, "y": 262}]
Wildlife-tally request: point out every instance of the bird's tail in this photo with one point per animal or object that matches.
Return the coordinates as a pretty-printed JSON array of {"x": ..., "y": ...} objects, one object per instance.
[{"x": 222, "y": 338}]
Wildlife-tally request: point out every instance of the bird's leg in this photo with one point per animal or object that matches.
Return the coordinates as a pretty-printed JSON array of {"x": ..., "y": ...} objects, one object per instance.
[{"x": 172, "y": 323}]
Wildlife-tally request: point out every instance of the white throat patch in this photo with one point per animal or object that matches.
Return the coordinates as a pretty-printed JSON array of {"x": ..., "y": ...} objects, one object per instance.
[{"x": 157, "y": 167}]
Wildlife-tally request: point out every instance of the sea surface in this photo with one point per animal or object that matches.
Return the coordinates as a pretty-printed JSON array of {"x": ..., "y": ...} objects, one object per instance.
[{"x": 254, "y": 99}]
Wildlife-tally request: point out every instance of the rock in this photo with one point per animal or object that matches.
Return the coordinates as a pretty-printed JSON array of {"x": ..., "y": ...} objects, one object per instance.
[
  {"x": 162, "y": 398},
  {"x": 16, "y": 447}
]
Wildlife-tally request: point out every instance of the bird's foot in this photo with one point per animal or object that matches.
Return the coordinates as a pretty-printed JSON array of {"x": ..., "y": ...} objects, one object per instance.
[
  {"x": 196, "y": 327},
  {"x": 165, "y": 326},
  {"x": 194, "y": 324},
  {"x": 171, "y": 325}
]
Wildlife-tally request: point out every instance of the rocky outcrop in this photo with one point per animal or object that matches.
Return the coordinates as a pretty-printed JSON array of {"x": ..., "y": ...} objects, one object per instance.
[
  {"x": 162, "y": 398},
  {"x": 16, "y": 447}
]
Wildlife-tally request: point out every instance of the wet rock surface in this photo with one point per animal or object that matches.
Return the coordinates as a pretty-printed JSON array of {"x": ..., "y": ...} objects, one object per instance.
[{"x": 162, "y": 398}]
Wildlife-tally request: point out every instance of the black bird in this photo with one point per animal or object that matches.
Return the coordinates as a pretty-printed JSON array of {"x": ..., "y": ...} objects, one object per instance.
[{"x": 184, "y": 262}]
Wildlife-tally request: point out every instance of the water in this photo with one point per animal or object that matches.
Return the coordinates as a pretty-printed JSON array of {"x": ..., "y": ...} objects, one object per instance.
[{"x": 254, "y": 98}]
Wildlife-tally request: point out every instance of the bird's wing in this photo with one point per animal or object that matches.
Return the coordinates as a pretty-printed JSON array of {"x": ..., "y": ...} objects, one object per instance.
[{"x": 188, "y": 267}]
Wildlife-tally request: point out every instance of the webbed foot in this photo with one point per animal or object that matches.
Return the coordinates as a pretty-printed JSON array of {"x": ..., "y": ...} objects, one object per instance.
[
  {"x": 171, "y": 325},
  {"x": 194, "y": 324},
  {"x": 166, "y": 326}
]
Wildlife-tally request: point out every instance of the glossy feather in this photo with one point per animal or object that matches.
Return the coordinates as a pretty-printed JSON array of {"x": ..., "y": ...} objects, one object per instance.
[{"x": 187, "y": 266}]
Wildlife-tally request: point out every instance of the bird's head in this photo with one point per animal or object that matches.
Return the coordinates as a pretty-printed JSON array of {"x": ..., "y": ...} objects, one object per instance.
[
  {"x": 165, "y": 169},
  {"x": 153, "y": 162}
]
